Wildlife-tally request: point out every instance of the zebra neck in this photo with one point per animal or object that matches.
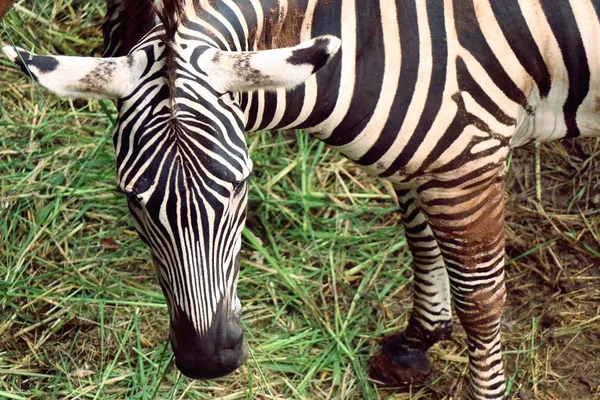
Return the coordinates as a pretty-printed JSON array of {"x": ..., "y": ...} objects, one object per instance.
[
  {"x": 284, "y": 23},
  {"x": 254, "y": 25},
  {"x": 324, "y": 104}
]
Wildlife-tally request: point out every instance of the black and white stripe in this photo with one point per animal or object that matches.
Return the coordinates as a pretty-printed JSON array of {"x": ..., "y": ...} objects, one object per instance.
[
  {"x": 186, "y": 180},
  {"x": 428, "y": 95}
]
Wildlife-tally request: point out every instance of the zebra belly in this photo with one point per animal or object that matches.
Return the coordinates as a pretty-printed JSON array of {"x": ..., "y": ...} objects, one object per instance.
[{"x": 544, "y": 119}]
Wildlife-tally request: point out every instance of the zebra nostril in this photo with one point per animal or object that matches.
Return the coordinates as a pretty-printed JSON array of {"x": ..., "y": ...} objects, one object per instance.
[{"x": 211, "y": 354}]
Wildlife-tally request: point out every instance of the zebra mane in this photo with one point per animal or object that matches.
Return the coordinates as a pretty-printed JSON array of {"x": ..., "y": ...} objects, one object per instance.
[
  {"x": 171, "y": 14},
  {"x": 126, "y": 22}
]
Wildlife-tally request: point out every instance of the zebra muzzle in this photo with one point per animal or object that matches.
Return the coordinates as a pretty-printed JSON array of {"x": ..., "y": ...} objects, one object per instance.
[{"x": 217, "y": 353}]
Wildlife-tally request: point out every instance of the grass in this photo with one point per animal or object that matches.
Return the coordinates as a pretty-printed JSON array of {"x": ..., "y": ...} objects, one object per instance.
[{"x": 325, "y": 268}]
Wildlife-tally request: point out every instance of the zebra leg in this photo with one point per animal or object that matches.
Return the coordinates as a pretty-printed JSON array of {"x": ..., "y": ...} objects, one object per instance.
[
  {"x": 469, "y": 227},
  {"x": 403, "y": 358}
]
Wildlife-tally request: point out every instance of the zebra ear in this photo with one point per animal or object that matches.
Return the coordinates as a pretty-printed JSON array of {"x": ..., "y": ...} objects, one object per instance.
[
  {"x": 78, "y": 76},
  {"x": 270, "y": 69}
]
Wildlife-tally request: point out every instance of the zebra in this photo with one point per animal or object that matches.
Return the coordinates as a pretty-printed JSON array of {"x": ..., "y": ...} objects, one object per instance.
[{"x": 430, "y": 96}]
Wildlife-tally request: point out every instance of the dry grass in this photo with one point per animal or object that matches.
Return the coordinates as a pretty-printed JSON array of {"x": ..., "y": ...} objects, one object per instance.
[
  {"x": 553, "y": 313},
  {"x": 325, "y": 268}
]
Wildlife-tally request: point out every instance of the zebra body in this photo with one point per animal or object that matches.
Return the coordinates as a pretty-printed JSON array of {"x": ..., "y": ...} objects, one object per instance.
[{"x": 428, "y": 95}]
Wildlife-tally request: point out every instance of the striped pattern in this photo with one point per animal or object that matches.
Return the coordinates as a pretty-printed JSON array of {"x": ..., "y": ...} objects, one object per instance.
[
  {"x": 429, "y": 95},
  {"x": 186, "y": 184}
]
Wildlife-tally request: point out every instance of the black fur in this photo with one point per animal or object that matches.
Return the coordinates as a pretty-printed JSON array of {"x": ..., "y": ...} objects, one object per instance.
[
  {"x": 44, "y": 64},
  {"x": 318, "y": 55}
]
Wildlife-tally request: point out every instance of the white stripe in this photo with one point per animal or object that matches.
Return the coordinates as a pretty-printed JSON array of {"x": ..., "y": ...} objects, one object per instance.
[
  {"x": 236, "y": 42},
  {"x": 552, "y": 120},
  {"x": 587, "y": 22},
  {"x": 260, "y": 110},
  {"x": 348, "y": 74},
  {"x": 279, "y": 109},
  {"x": 259, "y": 22},
  {"x": 449, "y": 108},
  {"x": 240, "y": 16},
  {"x": 280, "y": 92},
  {"x": 247, "y": 108},
  {"x": 421, "y": 91},
  {"x": 391, "y": 43}
]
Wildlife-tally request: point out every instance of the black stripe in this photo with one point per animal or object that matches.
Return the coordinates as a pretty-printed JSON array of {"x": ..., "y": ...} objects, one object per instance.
[
  {"x": 409, "y": 71},
  {"x": 462, "y": 119},
  {"x": 249, "y": 15},
  {"x": 467, "y": 83},
  {"x": 519, "y": 38},
  {"x": 562, "y": 22},
  {"x": 435, "y": 92},
  {"x": 326, "y": 20},
  {"x": 243, "y": 101},
  {"x": 133, "y": 109},
  {"x": 369, "y": 75},
  {"x": 213, "y": 21},
  {"x": 229, "y": 126},
  {"x": 596, "y": 5},
  {"x": 472, "y": 39},
  {"x": 271, "y": 16},
  {"x": 294, "y": 99},
  {"x": 253, "y": 112},
  {"x": 233, "y": 20},
  {"x": 449, "y": 184},
  {"x": 317, "y": 55},
  {"x": 269, "y": 110},
  {"x": 44, "y": 64},
  {"x": 456, "y": 272}
]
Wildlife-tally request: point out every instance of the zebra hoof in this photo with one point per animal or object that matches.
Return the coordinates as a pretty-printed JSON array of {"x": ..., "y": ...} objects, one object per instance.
[{"x": 397, "y": 364}]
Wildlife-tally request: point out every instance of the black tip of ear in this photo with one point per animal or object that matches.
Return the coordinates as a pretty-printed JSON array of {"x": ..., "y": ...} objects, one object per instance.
[
  {"x": 318, "y": 54},
  {"x": 44, "y": 64},
  {"x": 23, "y": 59}
]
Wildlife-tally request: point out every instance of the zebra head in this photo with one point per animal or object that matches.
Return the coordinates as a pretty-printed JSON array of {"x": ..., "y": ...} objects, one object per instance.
[{"x": 182, "y": 160}]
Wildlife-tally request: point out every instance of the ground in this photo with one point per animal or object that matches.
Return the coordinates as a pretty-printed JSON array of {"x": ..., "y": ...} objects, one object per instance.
[{"x": 325, "y": 269}]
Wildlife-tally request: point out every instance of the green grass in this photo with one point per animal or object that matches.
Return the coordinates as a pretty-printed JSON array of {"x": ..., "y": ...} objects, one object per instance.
[{"x": 325, "y": 268}]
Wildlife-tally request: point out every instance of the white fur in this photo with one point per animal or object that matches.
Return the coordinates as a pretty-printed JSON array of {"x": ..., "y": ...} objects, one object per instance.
[
  {"x": 10, "y": 52},
  {"x": 274, "y": 69},
  {"x": 73, "y": 75}
]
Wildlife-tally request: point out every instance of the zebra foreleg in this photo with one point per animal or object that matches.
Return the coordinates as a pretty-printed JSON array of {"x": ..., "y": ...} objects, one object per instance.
[
  {"x": 402, "y": 359},
  {"x": 469, "y": 227}
]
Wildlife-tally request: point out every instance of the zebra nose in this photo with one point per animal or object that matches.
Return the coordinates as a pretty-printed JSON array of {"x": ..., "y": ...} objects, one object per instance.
[{"x": 215, "y": 354}]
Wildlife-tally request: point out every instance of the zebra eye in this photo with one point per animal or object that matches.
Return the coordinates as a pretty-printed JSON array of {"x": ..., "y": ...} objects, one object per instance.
[{"x": 130, "y": 196}]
